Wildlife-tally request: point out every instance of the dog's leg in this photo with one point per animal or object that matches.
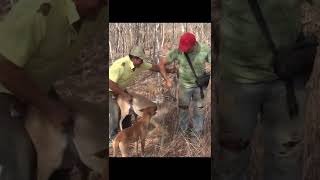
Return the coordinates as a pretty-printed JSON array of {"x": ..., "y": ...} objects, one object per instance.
[
  {"x": 123, "y": 149},
  {"x": 164, "y": 134},
  {"x": 137, "y": 147},
  {"x": 143, "y": 139},
  {"x": 162, "y": 141},
  {"x": 157, "y": 127}
]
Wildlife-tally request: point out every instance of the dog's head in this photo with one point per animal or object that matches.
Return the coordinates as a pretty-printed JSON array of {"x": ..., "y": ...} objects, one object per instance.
[{"x": 152, "y": 110}]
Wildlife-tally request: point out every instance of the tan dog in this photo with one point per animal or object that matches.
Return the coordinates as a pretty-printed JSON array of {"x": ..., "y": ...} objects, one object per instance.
[{"x": 138, "y": 131}]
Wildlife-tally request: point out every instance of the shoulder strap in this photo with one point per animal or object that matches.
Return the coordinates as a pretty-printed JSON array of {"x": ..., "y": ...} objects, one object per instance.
[
  {"x": 256, "y": 10},
  {"x": 291, "y": 98},
  {"x": 190, "y": 64},
  {"x": 195, "y": 75}
]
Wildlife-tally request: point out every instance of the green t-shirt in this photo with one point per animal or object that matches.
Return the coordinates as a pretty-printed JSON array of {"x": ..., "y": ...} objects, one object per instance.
[
  {"x": 198, "y": 58},
  {"x": 123, "y": 73},
  {"x": 245, "y": 55}
]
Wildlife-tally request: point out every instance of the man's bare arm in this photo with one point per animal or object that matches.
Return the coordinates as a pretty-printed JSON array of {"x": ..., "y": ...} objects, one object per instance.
[
  {"x": 16, "y": 80},
  {"x": 156, "y": 68},
  {"x": 162, "y": 66},
  {"x": 115, "y": 88}
]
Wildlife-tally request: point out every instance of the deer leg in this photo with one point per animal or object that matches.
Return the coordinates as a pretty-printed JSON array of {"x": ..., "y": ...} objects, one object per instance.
[
  {"x": 124, "y": 109},
  {"x": 124, "y": 112}
]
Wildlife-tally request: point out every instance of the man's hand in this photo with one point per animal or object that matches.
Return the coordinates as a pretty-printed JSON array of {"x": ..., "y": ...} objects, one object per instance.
[
  {"x": 168, "y": 83},
  {"x": 207, "y": 68}
]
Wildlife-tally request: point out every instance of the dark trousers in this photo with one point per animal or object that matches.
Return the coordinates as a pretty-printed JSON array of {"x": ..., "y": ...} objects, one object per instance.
[
  {"x": 238, "y": 108},
  {"x": 17, "y": 153}
]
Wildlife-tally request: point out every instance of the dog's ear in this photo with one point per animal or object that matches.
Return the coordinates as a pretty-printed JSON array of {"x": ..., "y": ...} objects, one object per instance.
[{"x": 144, "y": 109}]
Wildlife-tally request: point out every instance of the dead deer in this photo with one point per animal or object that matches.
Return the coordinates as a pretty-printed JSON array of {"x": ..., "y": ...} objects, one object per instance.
[
  {"x": 89, "y": 137},
  {"x": 138, "y": 102},
  {"x": 138, "y": 131}
]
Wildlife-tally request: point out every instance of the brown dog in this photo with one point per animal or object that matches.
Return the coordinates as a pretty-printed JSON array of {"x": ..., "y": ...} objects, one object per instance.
[{"x": 138, "y": 130}]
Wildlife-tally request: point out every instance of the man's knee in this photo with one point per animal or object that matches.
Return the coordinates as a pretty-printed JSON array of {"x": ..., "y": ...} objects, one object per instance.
[
  {"x": 234, "y": 144},
  {"x": 183, "y": 107},
  {"x": 290, "y": 147}
]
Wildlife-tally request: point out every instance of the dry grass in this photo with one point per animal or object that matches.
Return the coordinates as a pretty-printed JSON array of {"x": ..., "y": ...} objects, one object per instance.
[{"x": 177, "y": 146}]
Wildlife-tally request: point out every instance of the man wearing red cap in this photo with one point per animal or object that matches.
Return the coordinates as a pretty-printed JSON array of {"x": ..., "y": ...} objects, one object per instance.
[
  {"x": 250, "y": 87},
  {"x": 199, "y": 54}
]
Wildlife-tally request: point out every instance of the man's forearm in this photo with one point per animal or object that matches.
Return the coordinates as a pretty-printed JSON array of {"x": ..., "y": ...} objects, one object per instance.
[
  {"x": 163, "y": 72},
  {"x": 115, "y": 88},
  {"x": 156, "y": 68},
  {"x": 16, "y": 80},
  {"x": 162, "y": 67}
]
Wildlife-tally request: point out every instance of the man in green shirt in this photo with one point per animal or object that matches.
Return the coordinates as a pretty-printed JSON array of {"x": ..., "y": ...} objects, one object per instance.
[
  {"x": 122, "y": 74},
  {"x": 37, "y": 41},
  {"x": 248, "y": 87},
  {"x": 199, "y": 54}
]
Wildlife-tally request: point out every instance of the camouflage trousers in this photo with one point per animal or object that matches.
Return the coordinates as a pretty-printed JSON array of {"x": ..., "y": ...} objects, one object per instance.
[
  {"x": 187, "y": 97},
  {"x": 238, "y": 108}
]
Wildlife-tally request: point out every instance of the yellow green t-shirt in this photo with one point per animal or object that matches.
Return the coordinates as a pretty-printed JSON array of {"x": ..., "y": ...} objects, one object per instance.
[
  {"x": 35, "y": 34},
  {"x": 123, "y": 73}
]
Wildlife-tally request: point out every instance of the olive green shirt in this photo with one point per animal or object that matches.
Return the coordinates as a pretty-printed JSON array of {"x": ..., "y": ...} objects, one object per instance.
[
  {"x": 123, "y": 72},
  {"x": 245, "y": 55},
  {"x": 198, "y": 58},
  {"x": 41, "y": 38}
]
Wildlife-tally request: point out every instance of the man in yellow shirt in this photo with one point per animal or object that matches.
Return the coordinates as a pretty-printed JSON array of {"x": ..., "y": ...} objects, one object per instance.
[
  {"x": 38, "y": 39},
  {"x": 122, "y": 73}
]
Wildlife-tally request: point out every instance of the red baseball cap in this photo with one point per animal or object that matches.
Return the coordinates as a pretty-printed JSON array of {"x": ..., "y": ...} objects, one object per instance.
[{"x": 187, "y": 41}]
